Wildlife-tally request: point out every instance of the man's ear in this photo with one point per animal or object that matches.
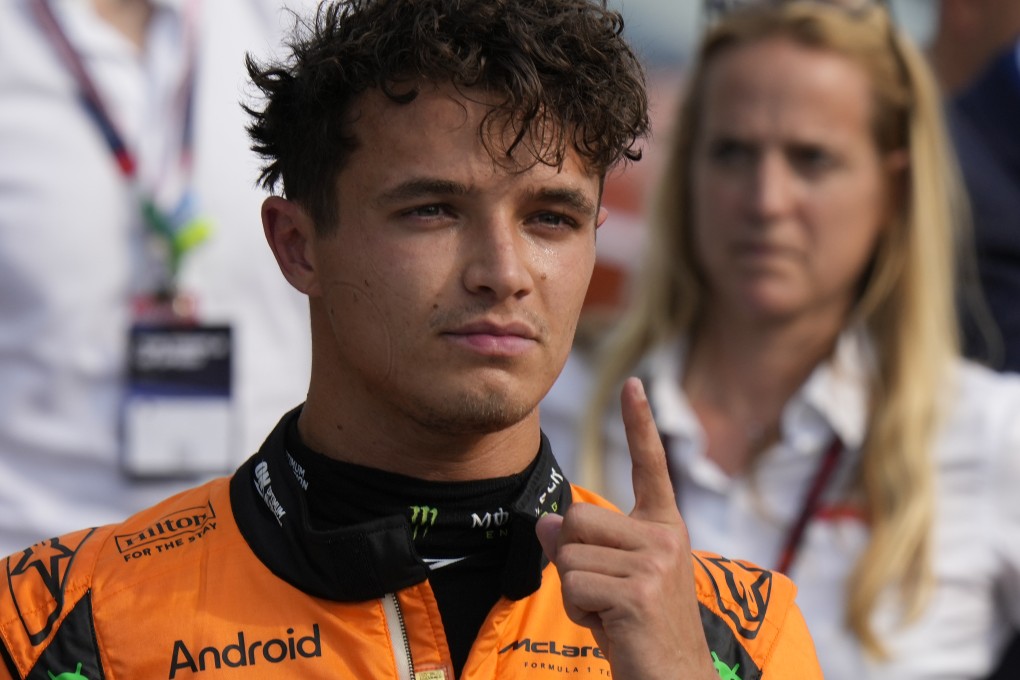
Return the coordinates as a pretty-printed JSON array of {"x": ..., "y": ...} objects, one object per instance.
[
  {"x": 290, "y": 232},
  {"x": 600, "y": 219}
]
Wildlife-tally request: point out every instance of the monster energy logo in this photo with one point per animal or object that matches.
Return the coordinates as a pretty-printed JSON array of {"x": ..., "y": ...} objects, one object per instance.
[
  {"x": 423, "y": 517},
  {"x": 498, "y": 518}
]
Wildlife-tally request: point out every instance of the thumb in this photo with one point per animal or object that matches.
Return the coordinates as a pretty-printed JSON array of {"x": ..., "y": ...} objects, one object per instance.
[{"x": 548, "y": 532}]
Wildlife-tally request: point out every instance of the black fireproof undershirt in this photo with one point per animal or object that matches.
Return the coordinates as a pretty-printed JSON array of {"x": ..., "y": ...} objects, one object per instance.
[{"x": 466, "y": 523}]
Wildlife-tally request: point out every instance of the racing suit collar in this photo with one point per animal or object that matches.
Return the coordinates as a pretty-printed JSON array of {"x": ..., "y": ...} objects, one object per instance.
[{"x": 367, "y": 560}]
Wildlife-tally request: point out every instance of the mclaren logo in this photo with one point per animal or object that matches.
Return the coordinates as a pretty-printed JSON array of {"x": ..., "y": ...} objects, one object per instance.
[
  {"x": 549, "y": 655},
  {"x": 245, "y": 653},
  {"x": 552, "y": 647}
]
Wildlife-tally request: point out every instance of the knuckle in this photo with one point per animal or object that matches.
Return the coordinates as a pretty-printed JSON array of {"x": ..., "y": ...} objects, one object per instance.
[
  {"x": 579, "y": 523},
  {"x": 571, "y": 583},
  {"x": 581, "y": 512},
  {"x": 671, "y": 539},
  {"x": 566, "y": 558},
  {"x": 646, "y": 591}
]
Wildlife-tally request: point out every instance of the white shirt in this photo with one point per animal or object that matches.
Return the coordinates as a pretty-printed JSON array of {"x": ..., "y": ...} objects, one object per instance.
[
  {"x": 72, "y": 252},
  {"x": 977, "y": 527}
]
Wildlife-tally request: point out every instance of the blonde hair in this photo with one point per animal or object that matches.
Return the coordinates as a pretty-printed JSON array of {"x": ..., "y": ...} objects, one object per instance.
[{"x": 906, "y": 304}]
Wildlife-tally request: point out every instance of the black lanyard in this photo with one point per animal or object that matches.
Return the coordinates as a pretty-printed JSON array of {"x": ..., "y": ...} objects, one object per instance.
[{"x": 809, "y": 505}]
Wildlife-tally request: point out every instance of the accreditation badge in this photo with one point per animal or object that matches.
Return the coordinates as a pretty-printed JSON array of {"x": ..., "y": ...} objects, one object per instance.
[{"x": 178, "y": 418}]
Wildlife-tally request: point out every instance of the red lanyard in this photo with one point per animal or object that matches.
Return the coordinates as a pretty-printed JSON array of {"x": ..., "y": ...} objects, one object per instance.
[
  {"x": 177, "y": 225},
  {"x": 809, "y": 505},
  {"x": 93, "y": 101}
]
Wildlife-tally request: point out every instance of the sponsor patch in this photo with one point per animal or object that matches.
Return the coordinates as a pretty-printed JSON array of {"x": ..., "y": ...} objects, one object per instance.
[
  {"x": 172, "y": 530},
  {"x": 423, "y": 517},
  {"x": 45, "y": 564},
  {"x": 264, "y": 487},
  {"x": 548, "y": 500},
  {"x": 243, "y": 652},
  {"x": 742, "y": 592}
]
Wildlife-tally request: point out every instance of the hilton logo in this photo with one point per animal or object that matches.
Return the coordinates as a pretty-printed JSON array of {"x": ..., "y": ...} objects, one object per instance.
[{"x": 179, "y": 525}]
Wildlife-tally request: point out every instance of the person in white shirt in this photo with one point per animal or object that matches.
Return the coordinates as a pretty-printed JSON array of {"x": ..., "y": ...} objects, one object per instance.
[
  {"x": 794, "y": 323},
  {"x": 77, "y": 260}
]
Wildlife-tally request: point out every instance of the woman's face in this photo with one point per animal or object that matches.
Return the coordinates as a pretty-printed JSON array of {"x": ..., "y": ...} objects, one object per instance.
[{"x": 789, "y": 188}]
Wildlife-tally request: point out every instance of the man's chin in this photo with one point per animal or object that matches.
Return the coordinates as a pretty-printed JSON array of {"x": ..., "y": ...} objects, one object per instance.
[{"x": 474, "y": 414}]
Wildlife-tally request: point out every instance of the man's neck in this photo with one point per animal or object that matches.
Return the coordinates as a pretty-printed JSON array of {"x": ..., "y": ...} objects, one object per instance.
[{"x": 129, "y": 17}]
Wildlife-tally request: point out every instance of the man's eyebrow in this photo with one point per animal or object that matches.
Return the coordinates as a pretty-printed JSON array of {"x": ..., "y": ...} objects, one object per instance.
[
  {"x": 421, "y": 187},
  {"x": 573, "y": 198}
]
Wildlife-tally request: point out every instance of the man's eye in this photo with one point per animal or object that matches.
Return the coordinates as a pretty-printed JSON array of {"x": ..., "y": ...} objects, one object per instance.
[
  {"x": 427, "y": 211},
  {"x": 549, "y": 219},
  {"x": 431, "y": 212}
]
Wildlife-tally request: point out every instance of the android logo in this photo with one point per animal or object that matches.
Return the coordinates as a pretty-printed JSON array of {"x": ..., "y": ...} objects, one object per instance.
[
  {"x": 68, "y": 676},
  {"x": 724, "y": 671}
]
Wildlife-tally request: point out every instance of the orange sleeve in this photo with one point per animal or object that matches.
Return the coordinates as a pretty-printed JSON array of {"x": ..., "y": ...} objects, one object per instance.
[{"x": 793, "y": 651}]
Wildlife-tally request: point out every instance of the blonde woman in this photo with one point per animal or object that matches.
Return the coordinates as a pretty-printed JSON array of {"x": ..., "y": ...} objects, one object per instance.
[{"x": 794, "y": 325}]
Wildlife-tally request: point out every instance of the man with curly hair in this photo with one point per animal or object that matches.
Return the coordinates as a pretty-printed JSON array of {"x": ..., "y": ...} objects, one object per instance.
[{"x": 439, "y": 166}]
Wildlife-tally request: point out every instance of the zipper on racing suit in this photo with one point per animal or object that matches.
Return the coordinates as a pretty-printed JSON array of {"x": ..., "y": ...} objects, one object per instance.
[{"x": 398, "y": 637}]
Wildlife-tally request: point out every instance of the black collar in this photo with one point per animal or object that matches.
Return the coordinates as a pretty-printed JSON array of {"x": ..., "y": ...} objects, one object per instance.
[{"x": 368, "y": 560}]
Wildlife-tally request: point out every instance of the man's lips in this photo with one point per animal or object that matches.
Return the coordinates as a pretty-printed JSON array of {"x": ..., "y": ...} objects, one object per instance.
[{"x": 494, "y": 339}]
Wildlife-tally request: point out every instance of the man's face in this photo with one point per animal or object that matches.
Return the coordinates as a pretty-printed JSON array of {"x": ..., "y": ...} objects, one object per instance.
[{"x": 451, "y": 287}]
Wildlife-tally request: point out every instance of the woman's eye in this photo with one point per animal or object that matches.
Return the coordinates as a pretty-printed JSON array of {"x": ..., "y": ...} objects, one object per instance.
[
  {"x": 811, "y": 159},
  {"x": 731, "y": 153}
]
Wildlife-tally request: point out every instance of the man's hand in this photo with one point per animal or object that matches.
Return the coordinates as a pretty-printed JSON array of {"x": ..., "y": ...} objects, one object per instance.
[{"x": 630, "y": 578}]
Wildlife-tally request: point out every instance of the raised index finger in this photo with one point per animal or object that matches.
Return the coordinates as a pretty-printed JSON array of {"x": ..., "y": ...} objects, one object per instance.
[{"x": 653, "y": 492}]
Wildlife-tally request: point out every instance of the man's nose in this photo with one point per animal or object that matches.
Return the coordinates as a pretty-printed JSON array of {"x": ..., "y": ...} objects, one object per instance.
[{"x": 497, "y": 258}]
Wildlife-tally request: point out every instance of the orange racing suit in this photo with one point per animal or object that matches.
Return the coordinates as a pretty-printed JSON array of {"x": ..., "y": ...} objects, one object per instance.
[{"x": 228, "y": 580}]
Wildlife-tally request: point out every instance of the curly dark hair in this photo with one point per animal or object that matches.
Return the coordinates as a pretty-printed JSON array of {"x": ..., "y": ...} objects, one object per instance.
[{"x": 560, "y": 68}]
